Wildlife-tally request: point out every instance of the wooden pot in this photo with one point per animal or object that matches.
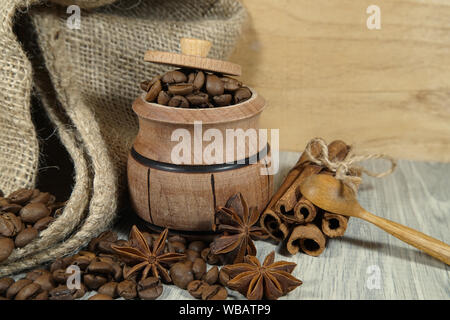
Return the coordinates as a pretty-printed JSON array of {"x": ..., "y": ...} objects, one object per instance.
[{"x": 183, "y": 197}]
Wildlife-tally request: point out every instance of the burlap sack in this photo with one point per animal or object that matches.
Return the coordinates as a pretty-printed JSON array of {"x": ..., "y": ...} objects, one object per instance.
[{"x": 90, "y": 79}]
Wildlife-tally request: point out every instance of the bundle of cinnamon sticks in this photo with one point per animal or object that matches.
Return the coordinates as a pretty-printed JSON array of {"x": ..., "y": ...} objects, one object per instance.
[{"x": 291, "y": 218}]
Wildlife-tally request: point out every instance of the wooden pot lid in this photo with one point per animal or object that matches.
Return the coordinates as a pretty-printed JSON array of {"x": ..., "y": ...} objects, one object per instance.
[{"x": 194, "y": 56}]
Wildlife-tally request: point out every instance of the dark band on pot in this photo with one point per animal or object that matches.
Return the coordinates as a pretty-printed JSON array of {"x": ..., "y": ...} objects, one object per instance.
[{"x": 164, "y": 166}]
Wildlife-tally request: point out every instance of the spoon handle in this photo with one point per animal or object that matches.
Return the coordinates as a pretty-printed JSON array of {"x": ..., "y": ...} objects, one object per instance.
[{"x": 421, "y": 241}]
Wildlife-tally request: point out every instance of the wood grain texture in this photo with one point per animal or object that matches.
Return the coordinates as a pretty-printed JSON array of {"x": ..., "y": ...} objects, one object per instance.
[
  {"x": 194, "y": 62},
  {"x": 187, "y": 201},
  {"x": 323, "y": 73}
]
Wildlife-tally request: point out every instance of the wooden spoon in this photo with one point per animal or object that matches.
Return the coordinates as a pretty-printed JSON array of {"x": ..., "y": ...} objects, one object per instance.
[{"x": 332, "y": 195}]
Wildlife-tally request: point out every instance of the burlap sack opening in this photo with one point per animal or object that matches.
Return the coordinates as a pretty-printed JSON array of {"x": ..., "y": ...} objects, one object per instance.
[{"x": 94, "y": 74}]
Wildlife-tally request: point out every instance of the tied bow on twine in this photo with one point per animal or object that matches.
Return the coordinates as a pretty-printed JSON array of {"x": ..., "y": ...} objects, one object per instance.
[{"x": 345, "y": 168}]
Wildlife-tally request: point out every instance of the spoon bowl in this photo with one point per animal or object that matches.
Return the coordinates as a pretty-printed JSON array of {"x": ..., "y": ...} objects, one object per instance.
[{"x": 332, "y": 195}]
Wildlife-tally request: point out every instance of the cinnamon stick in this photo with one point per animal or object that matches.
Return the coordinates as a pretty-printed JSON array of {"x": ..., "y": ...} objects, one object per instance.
[
  {"x": 337, "y": 150},
  {"x": 309, "y": 238},
  {"x": 269, "y": 216},
  {"x": 334, "y": 225},
  {"x": 274, "y": 226},
  {"x": 305, "y": 211}
]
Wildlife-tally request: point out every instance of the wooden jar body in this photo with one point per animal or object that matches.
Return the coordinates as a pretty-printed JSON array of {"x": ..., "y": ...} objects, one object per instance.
[{"x": 184, "y": 197}]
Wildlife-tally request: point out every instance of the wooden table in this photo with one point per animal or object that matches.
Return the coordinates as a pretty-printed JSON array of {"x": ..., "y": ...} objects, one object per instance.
[
  {"x": 417, "y": 195},
  {"x": 368, "y": 263}
]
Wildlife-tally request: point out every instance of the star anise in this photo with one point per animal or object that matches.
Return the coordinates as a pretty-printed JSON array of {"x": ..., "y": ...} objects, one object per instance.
[
  {"x": 239, "y": 227},
  {"x": 141, "y": 257},
  {"x": 270, "y": 281}
]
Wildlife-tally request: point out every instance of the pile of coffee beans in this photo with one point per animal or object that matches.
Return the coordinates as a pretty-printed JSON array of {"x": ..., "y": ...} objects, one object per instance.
[
  {"x": 102, "y": 271},
  {"x": 187, "y": 88},
  {"x": 23, "y": 214},
  {"x": 192, "y": 274}
]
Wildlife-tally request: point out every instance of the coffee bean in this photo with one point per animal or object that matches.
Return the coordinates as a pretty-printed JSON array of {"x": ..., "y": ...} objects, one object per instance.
[
  {"x": 62, "y": 292},
  {"x": 177, "y": 238},
  {"x": 196, "y": 288},
  {"x": 188, "y": 263},
  {"x": 104, "y": 236},
  {"x": 41, "y": 296},
  {"x": 212, "y": 276},
  {"x": 7, "y": 228},
  {"x": 145, "y": 85},
  {"x": 82, "y": 262},
  {"x": 231, "y": 84},
  {"x": 197, "y": 246},
  {"x": 174, "y": 77},
  {"x": 223, "y": 100},
  {"x": 224, "y": 277},
  {"x": 33, "y": 212},
  {"x": 33, "y": 275},
  {"x": 163, "y": 98},
  {"x": 178, "y": 101},
  {"x": 104, "y": 246},
  {"x": 109, "y": 289},
  {"x": 5, "y": 283},
  {"x": 10, "y": 224},
  {"x": 94, "y": 281},
  {"x": 154, "y": 91},
  {"x": 20, "y": 196},
  {"x": 209, "y": 257},
  {"x": 192, "y": 255},
  {"x": 215, "y": 292},
  {"x": 42, "y": 197},
  {"x": 181, "y": 275},
  {"x": 61, "y": 263},
  {"x": 3, "y": 202},
  {"x": 177, "y": 247},
  {"x": 127, "y": 289},
  {"x": 25, "y": 237},
  {"x": 28, "y": 292},
  {"x": 45, "y": 281},
  {"x": 100, "y": 267},
  {"x": 60, "y": 276},
  {"x": 197, "y": 79},
  {"x": 150, "y": 288},
  {"x": 6, "y": 248},
  {"x": 197, "y": 99},
  {"x": 181, "y": 89},
  {"x": 242, "y": 94},
  {"x": 43, "y": 223},
  {"x": 214, "y": 86},
  {"x": 12, "y": 208},
  {"x": 88, "y": 254},
  {"x": 100, "y": 296},
  {"x": 14, "y": 289},
  {"x": 199, "y": 268}
]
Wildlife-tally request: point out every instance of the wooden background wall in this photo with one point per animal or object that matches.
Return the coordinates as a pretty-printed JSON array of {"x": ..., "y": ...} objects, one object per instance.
[{"x": 323, "y": 73}]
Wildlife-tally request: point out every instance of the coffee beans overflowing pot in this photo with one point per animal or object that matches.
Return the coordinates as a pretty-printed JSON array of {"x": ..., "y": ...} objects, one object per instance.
[
  {"x": 23, "y": 214},
  {"x": 187, "y": 88}
]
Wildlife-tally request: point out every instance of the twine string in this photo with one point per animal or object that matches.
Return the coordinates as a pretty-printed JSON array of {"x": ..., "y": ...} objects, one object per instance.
[{"x": 347, "y": 170}]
